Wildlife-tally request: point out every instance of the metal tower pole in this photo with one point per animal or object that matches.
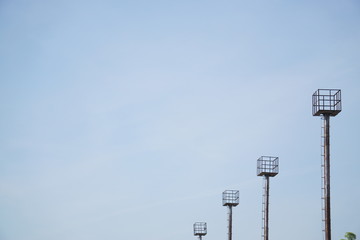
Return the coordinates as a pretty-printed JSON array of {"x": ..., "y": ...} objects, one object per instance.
[
  {"x": 267, "y": 167},
  {"x": 326, "y": 103},
  {"x": 327, "y": 177},
  {"x": 266, "y": 218},
  {"x": 230, "y": 222}
]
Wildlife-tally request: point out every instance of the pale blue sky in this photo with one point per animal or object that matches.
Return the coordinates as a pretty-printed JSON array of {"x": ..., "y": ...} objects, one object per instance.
[{"x": 127, "y": 119}]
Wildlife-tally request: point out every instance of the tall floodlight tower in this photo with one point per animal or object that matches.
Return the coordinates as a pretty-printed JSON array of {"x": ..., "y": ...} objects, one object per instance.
[
  {"x": 200, "y": 229},
  {"x": 326, "y": 103},
  {"x": 230, "y": 199},
  {"x": 267, "y": 167}
]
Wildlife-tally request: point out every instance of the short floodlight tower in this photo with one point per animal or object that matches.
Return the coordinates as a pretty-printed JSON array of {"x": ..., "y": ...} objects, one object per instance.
[
  {"x": 200, "y": 229},
  {"x": 326, "y": 103},
  {"x": 267, "y": 167},
  {"x": 230, "y": 199}
]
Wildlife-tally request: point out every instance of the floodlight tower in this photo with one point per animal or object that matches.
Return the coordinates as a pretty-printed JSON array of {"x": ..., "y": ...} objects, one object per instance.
[
  {"x": 230, "y": 199},
  {"x": 268, "y": 167},
  {"x": 200, "y": 229},
  {"x": 326, "y": 103}
]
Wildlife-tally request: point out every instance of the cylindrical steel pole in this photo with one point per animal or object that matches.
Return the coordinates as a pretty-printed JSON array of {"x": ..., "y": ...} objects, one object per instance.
[
  {"x": 327, "y": 177},
  {"x": 230, "y": 222},
  {"x": 266, "y": 219}
]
